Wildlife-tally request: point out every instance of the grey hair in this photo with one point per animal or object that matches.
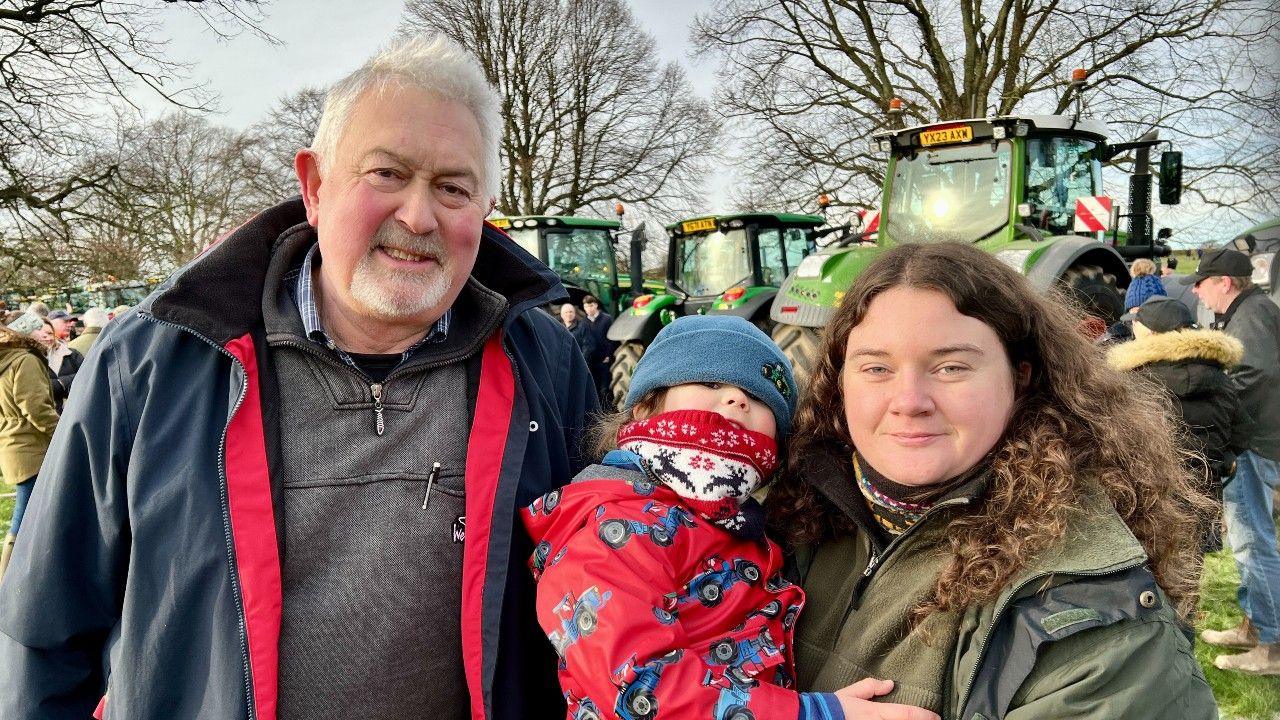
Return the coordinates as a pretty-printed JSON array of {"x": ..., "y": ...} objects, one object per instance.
[{"x": 433, "y": 63}]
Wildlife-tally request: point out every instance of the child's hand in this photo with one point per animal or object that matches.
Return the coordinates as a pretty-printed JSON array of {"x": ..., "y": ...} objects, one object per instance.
[{"x": 856, "y": 701}]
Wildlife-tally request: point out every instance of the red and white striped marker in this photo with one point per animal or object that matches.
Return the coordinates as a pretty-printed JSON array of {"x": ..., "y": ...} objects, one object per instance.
[
  {"x": 870, "y": 222},
  {"x": 1093, "y": 214}
]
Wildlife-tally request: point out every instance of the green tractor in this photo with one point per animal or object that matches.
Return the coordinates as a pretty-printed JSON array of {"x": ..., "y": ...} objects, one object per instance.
[
  {"x": 1262, "y": 243},
  {"x": 718, "y": 265},
  {"x": 1025, "y": 188},
  {"x": 578, "y": 249}
]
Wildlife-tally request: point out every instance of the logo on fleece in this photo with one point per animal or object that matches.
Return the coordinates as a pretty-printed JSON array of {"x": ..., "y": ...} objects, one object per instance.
[
  {"x": 776, "y": 374},
  {"x": 710, "y": 461}
]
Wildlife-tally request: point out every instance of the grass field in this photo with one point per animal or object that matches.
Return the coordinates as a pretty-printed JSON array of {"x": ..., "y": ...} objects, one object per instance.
[{"x": 1240, "y": 697}]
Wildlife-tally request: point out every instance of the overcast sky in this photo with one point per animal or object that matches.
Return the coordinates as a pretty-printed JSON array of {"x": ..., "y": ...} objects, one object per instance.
[{"x": 324, "y": 39}]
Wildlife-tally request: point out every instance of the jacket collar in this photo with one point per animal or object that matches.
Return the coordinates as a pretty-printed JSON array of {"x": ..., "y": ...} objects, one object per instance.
[
  {"x": 219, "y": 294},
  {"x": 1208, "y": 345},
  {"x": 1096, "y": 541},
  {"x": 1225, "y": 318}
]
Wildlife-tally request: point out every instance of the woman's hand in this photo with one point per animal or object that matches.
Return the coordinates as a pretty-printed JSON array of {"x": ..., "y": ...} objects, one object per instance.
[{"x": 857, "y": 703}]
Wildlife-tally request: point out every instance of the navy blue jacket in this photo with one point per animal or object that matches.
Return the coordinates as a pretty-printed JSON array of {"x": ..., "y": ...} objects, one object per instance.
[{"x": 148, "y": 570}]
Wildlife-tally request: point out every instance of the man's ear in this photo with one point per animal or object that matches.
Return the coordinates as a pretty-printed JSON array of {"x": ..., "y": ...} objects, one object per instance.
[{"x": 307, "y": 166}]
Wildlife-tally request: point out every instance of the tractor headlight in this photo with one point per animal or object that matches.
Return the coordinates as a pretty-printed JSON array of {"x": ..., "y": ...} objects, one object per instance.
[
  {"x": 1262, "y": 268},
  {"x": 1016, "y": 259},
  {"x": 811, "y": 267}
]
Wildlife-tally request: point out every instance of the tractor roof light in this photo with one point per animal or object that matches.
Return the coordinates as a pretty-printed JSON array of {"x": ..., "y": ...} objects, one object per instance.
[
  {"x": 734, "y": 293},
  {"x": 1079, "y": 74},
  {"x": 734, "y": 224},
  {"x": 895, "y": 105},
  {"x": 999, "y": 132},
  {"x": 619, "y": 209},
  {"x": 824, "y": 200},
  {"x": 1021, "y": 129},
  {"x": 886, "y": 145},
  {"x": 641, "y": 301},
  {"x": 552, "y": 221}
]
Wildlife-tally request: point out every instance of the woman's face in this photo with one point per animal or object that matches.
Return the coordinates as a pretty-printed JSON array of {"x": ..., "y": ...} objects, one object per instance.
[
  {"x": 927, "y": 391},
  {"x": 44, "y": 334}
]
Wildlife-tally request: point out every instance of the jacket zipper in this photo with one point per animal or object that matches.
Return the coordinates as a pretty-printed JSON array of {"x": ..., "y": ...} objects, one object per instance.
[
  {"x": 375, "y": 389},
  {"x": 877, "y": 558},
  {"x": 995, "y": 618},
  {"x": 250, "y": 704}
]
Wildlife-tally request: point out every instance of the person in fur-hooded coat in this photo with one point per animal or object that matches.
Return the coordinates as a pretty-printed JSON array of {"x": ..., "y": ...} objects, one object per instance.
[{"x": 1191, "y": 364}]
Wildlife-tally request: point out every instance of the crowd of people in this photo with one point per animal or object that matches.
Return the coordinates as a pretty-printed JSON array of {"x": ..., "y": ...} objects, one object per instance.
[
  {"x": 346, "y": 462},
  {"x": 40, "y": 353}
]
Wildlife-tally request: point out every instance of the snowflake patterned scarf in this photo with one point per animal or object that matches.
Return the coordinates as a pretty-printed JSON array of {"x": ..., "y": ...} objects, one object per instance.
[{"x": 710, "y": 461}]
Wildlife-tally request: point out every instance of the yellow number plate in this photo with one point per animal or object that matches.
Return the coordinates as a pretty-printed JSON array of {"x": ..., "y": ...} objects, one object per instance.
[
  {"x": 503, "y": 223},
  {"x": 945, "y": 136},
  {"x": 692, "y": 226}
]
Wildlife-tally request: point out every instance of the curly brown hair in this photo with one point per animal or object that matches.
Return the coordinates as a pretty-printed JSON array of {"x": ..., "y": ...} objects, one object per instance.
[{"x": 1064, "y": 440}]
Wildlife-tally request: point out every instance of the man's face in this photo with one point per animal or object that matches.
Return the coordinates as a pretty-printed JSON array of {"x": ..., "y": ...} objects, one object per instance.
[
  {"x": 1215, "y": 292},
  {"x": 400, "y": 210},
  {"x": 568, "y": 313},
  {"x": 592, "y": 309},
  {"x": 61, "y": 327}
]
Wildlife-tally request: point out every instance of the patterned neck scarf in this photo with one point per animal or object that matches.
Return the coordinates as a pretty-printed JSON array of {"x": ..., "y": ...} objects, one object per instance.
[
  {"x": 893, "y": 514},
  {"x": 714, "y": 464}
]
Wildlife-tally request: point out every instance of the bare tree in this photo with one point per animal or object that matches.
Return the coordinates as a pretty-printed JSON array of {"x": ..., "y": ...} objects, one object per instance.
[
  {"x": 289, "y": 126},
  {"x": 591, "y": 115},
  {"x": 808, "y": 82},
  {"x": 64, "y": 61}
]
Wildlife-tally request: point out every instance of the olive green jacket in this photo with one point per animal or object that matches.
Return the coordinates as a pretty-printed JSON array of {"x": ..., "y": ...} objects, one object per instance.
[
  {"x": 85, "y": 340},
  {"x": 27, "y": 414},
  {"x": 1082, "y": 632}
]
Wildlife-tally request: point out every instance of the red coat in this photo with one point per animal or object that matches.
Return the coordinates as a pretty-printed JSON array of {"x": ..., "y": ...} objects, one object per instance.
[{"x": 658, "y": 613}]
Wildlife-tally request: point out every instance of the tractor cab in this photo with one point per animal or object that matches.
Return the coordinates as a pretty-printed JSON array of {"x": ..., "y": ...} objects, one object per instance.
[
  {"x": 719, "y": 264},
  {"x": 579, "y": 250}
]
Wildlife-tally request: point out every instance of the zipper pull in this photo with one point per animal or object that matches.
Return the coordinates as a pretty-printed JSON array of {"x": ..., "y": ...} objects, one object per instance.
[
  {"x": 376, "y": 389},
  {"x": 431, "y": 479},
  {"x": 871, "y": 565}
]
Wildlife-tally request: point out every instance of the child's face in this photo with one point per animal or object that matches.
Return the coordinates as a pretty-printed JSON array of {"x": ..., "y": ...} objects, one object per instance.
[{"x": 730, "y": 401}]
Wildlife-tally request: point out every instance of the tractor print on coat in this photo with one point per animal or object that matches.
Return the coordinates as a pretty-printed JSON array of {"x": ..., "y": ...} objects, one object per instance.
[
  {"x": 578, "y": 618},
  {"x": 616, "y": 533},
  {"x": 545, "y": 504},
  {"x": 686, "y": 621},
  {"x": 709, "y": 587},
  {"x": 638, "y": 685}
]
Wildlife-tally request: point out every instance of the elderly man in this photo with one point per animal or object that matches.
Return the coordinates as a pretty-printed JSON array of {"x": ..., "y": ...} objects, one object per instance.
[
  {"x": 1243, "y": 311},
  {"x": 289, "y": 487}
]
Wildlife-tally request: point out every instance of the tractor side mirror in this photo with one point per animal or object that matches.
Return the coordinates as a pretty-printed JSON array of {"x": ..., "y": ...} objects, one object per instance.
[
  {"x": 1170, "y": 177},
  {"x": 1245, "y": 244}
]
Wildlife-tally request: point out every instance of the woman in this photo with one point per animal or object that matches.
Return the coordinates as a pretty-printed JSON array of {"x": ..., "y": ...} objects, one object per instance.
[
  {"x": 64, "y": 362},
  {"x": 27, "y": 417},
  {"x": 983, "y": 510}
]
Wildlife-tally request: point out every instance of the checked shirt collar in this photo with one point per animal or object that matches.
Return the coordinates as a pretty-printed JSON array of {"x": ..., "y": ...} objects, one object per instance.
[{"x": 304, "y": 297}]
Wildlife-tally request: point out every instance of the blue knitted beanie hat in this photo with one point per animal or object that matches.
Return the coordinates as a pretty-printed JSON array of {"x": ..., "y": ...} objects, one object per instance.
[{"x": 718, "y": 348}]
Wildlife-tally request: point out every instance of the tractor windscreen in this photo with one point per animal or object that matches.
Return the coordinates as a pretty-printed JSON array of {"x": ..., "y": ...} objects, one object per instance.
[
  {"x": 711, "y": 263},
  {"x": 958, "y": 193},
  {"x": 581, "y": 252}
]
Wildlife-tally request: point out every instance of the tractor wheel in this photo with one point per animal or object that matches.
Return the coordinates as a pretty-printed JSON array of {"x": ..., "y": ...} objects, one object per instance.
[
  {"x": 710, "y": 593},
  {"x": 586, "y": 621},
  {"x": 642, "y": 703},
  {"x": 737, "y": 712},
  {"x": 724, "y": 651},
  {"x": 624, "y": 366},
  {"x": 801, "y": 346},
  {"x": 615, "y": 533},
  {"x": 660, "y": 536},
  {"x": 1095, "y": 291}
]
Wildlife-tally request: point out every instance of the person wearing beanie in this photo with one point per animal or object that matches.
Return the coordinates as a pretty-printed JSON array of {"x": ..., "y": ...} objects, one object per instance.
[
  {"x": 1145, "y": 284},
  {"x": 1191, "y": 365},
  {"x": 656, "y": 584}
]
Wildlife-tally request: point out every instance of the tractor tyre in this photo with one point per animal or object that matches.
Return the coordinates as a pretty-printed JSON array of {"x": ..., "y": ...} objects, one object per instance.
[
  {"x": 1095, "y": 291},
  {"x": 801, "y": 345},
  {"x": 737, "y": 712},
  {"x": 642, "y": 703},
  {"x": 615, "y": 533},
  {"x": 624, "y": 366},
  {"x": 586, "y": 621}
]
